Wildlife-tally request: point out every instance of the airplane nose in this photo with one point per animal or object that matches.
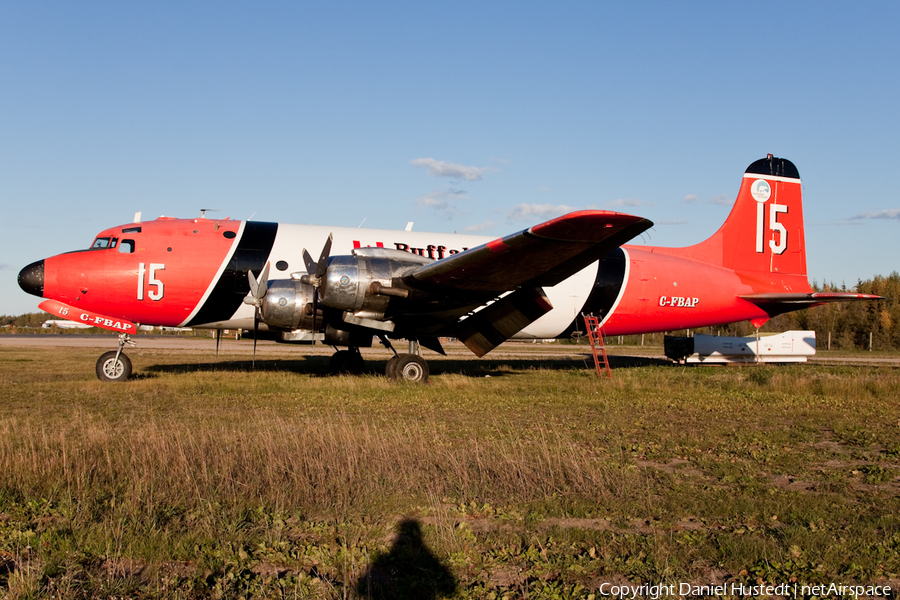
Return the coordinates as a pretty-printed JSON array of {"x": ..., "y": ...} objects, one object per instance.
[{"x": 31, "y": 279}]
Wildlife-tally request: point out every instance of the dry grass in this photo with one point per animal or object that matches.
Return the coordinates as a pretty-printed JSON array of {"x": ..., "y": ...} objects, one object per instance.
[{"x": 211, "y": 481}]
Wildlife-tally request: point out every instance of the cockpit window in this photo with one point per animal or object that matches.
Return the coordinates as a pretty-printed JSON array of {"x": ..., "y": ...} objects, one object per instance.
[
  {"x": 101, "y": 243},
  {"x": 126, "y": 246}
]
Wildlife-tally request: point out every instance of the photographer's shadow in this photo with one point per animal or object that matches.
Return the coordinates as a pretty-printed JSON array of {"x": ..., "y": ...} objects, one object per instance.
[{"x": 407, "y": 570}]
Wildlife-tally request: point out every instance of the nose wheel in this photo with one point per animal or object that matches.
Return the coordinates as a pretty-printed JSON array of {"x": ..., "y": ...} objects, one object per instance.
[{"x": 115, "y": 365}]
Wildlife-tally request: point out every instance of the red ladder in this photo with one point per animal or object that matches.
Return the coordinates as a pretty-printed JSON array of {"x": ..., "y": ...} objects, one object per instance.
[{"x": 592, "y": 324}]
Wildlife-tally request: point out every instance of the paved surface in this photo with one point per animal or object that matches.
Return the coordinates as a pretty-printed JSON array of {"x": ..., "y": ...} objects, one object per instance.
[{"x": 455, "y": 350}]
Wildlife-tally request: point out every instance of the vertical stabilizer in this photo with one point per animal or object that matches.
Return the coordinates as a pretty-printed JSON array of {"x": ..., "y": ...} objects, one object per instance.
[{"x": 763, "y": 236}]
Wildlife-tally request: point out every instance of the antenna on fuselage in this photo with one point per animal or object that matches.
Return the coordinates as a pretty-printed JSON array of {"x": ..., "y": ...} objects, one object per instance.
[
  {"x": 137, "y": 217},
  {"x": 409, "y": 226},
  {"x": 203, "y": 211}
]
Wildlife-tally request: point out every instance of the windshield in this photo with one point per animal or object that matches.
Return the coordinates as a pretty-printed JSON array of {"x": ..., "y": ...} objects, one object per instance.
[{"x": 104, "y": 242}]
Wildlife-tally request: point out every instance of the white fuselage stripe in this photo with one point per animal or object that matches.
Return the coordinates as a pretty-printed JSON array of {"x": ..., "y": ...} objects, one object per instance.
[{"x": 770, "y": 177}]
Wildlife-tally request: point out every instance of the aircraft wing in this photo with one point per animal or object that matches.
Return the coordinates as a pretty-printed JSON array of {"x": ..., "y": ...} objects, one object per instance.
[
  {"x": 524, "y": 262},
  {"x": 542, "y": 255}
]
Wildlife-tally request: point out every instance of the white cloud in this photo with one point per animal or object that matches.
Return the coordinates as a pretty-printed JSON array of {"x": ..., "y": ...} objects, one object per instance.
[
  {"x": 721, "y": 199},
  {"x": 439, "y": 202},
  {"x": 432, "y": 202},
  {"x": 441, "y": 168},
  {"x": 628, "y": 202},
  {"x": 890, "y": 213},
  {"x": 480, "y": 227},
  {"x": 525, "y": 212}
]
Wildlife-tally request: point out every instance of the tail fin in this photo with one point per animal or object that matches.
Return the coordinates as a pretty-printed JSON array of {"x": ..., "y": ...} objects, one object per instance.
[{"x": 762, "y": 239}]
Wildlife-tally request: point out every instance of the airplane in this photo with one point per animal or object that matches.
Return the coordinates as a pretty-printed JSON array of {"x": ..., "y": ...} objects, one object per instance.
[{"x": 419, "y": 287}]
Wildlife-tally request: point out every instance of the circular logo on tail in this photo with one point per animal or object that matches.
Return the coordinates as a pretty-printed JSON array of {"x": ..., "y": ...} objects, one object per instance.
[{"x": 760, "y": 190}]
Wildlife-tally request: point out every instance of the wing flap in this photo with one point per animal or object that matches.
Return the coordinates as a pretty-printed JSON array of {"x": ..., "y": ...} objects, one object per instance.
[
  {"x": 490, "y": 327},
  {"x": 542, "y": 255}
]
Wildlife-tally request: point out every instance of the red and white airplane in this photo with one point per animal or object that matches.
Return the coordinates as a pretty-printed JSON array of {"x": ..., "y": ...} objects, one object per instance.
[{"x": 367, "y": 283}]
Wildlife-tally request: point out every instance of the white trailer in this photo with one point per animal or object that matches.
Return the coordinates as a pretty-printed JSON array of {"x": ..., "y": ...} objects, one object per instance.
[{"x": 787, "y": 347}]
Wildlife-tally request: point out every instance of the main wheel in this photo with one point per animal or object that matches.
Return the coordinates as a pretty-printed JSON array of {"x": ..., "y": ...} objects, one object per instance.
[
  {"x": 412, "y": 368},
  {"x": 347, "y": 362},
  {"x": 391, "y": 368},
  {"x": 110, "y": 369}
]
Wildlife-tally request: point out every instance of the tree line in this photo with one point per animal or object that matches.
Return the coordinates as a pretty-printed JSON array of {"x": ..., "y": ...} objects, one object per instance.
[
  {"x": 847, "y": 325},
  {"x": 852, "y": 324}
]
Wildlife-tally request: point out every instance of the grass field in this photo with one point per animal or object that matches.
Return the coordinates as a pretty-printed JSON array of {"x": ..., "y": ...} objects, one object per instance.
[{"x": 509, "y": 478}]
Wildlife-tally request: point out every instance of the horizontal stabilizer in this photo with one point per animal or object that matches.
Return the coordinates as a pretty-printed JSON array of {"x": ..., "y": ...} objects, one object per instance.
[
  {"x": 800, "y": 300},
  {"x": 777, "y": 303}
]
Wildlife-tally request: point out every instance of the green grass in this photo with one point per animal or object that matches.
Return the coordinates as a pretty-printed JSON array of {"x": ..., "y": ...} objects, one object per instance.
[{"x": 200, "y": 479}]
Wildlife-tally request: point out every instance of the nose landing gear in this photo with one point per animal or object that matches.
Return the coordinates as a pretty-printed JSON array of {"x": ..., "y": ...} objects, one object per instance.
[{"x": 115, "y": 365}]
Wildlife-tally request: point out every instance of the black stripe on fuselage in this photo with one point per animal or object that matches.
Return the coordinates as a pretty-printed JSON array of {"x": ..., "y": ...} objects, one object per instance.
[
  {"x": 607, "y": 285},
  {"x": 251, "y": 253}
]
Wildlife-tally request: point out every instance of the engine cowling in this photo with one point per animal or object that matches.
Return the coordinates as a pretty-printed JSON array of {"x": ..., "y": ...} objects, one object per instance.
[
  {"x": 288, "y": 305},
  {"x": 362, "y": 283}
]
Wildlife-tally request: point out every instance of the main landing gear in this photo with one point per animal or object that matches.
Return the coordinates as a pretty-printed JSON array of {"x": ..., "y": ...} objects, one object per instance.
[
  {"x": 347, "y": 362},
  {"x": 407, "y": 367},
  {"x": 115, "y": 365}
]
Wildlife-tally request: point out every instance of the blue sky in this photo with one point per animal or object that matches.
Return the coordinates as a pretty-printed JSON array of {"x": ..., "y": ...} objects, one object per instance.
[{"x": 468, "y": 116}]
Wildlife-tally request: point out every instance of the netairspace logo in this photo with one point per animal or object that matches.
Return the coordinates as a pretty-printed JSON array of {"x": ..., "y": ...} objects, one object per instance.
[{"x": 784, "y": 590}]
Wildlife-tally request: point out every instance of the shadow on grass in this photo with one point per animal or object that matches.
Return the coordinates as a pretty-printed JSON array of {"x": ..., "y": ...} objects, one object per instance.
[
  {"x": 407, "y": 570},
  {"x": 318, "y": 366}
]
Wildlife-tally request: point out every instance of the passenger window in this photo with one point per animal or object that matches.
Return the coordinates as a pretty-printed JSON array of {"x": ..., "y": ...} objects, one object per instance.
[{"x": 126, "y": 246}]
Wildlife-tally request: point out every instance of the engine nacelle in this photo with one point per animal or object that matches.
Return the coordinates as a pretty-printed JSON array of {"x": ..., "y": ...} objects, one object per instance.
[
  {"x": 361, "y": 283},
  {"x": 288, "y": 305}
]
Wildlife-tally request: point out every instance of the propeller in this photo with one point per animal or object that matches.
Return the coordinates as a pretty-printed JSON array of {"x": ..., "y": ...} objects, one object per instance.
[
  {"x": 316, "y": 275},
  {"x": 258, "y": 289}
]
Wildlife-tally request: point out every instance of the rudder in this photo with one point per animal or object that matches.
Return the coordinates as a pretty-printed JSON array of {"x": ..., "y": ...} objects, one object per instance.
[{"x": 763, "y": 234}]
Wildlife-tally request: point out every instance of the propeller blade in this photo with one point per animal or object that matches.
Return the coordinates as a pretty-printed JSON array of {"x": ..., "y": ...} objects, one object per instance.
[
  {"x": 315, "y": 273},
  {"x": 315, "y": 304},
  {"x": 309, "y": 262},
  {"x": 255, "y": 335},
  {"x": 259, "y": 286},
  {"x": 254, "y": 287},
  {"x": 262, "y": 283},
  {"x": 218, "y": 339},
  {"x": 322, "y": 265}
]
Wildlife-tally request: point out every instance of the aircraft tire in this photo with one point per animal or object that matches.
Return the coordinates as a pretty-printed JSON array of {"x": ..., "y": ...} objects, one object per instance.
[
  {"x": 412, "y": 368},
  {"x": 390, "y": 369},
  {"x": 110, "y": 369},
  {"x": 347, "y": 362}
]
